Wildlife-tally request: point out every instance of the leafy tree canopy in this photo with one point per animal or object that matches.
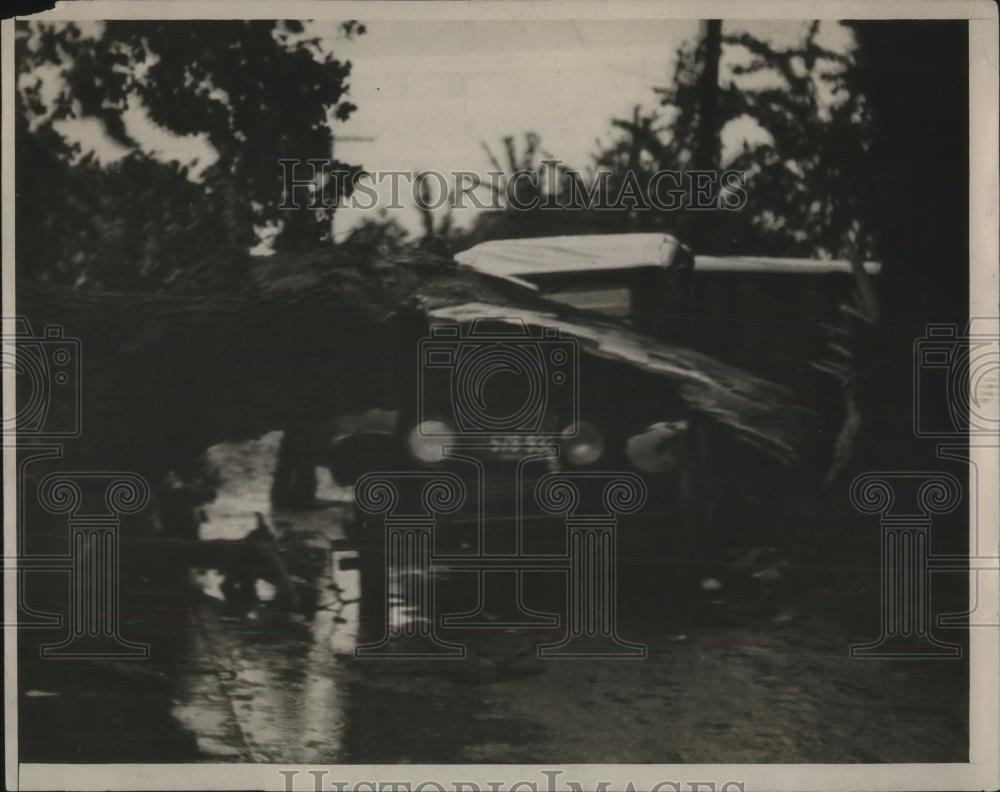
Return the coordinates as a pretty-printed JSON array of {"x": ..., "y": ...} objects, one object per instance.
[
  {"x": 806, "y": 180},
  {"x": 256, "y": 91}
]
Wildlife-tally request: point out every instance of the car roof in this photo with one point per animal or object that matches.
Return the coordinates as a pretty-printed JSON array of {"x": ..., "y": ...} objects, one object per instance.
[
  {"x": 763, "y": 264},
  {"x": 517, "y": 259},
  {"x": 520, "y": 258}
]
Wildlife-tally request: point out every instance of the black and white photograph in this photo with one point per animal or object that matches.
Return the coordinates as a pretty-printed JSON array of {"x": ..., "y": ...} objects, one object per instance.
[{"x": 517, "y": 396}]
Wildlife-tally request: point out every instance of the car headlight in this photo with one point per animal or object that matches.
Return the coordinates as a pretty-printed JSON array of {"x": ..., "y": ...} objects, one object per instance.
[
  {"x": 658, "y": 448},
  {"x": 584, "y": 446},
  {"x": 428, "y": 439}
]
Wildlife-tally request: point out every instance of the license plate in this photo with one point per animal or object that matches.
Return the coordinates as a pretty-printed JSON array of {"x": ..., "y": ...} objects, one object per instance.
[{"x": 518, "y": 446}]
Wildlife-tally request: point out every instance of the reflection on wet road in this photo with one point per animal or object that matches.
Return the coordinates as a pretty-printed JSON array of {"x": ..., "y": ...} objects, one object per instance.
[
  {"x": 747, "y": 664},
  {"x": 725, "y": 681}
]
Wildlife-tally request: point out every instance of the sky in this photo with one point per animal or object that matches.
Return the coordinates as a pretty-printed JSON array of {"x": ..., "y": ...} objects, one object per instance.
[
  {"x": 457, "y": 85},
  {"x": 431, "y": 93}
]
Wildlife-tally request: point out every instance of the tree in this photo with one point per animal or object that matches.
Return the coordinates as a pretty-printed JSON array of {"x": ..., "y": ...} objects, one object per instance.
[
  {"x": 914, "y": 76},
  {"x": 803, "y": 185},
  {"x": 381, "y": 235},
  {"x": 519, "y": 196},
  {"x": 805, "y": 181},
  {"x": 707, "y": 145},
  {"x": 802, "y": 182},
  {"x": 257, "y": 91}
]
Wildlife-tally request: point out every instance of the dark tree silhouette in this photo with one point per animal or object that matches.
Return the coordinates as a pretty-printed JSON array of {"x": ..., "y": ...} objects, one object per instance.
[
  {"x": 257, "y": 91},
  {"x": 802, "y": 183},
  {"x": 914, "y": 76},
  {"x": 805, "y": 182}
]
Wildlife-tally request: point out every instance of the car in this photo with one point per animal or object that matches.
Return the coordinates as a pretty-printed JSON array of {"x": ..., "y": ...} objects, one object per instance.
[
  {"x": 504, "y": 395},
  {"x": 767, "y": 315},
  {"x": 593, "y": 364}
]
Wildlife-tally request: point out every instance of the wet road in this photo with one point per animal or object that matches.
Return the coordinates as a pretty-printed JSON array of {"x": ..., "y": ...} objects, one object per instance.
[
  {"x": 735, "y": 672},
  {"x": 272, "y": 693}
]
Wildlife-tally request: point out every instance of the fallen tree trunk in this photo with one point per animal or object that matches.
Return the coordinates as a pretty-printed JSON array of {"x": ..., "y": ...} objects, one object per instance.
[{"x": 320, "y": 335}]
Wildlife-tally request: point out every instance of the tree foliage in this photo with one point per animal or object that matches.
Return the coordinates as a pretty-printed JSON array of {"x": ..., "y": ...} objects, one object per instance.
[
  {"x": 255, "y": 91},
  {"x": 804, "y": 185},
  {"x": 806, "y": 180}
]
